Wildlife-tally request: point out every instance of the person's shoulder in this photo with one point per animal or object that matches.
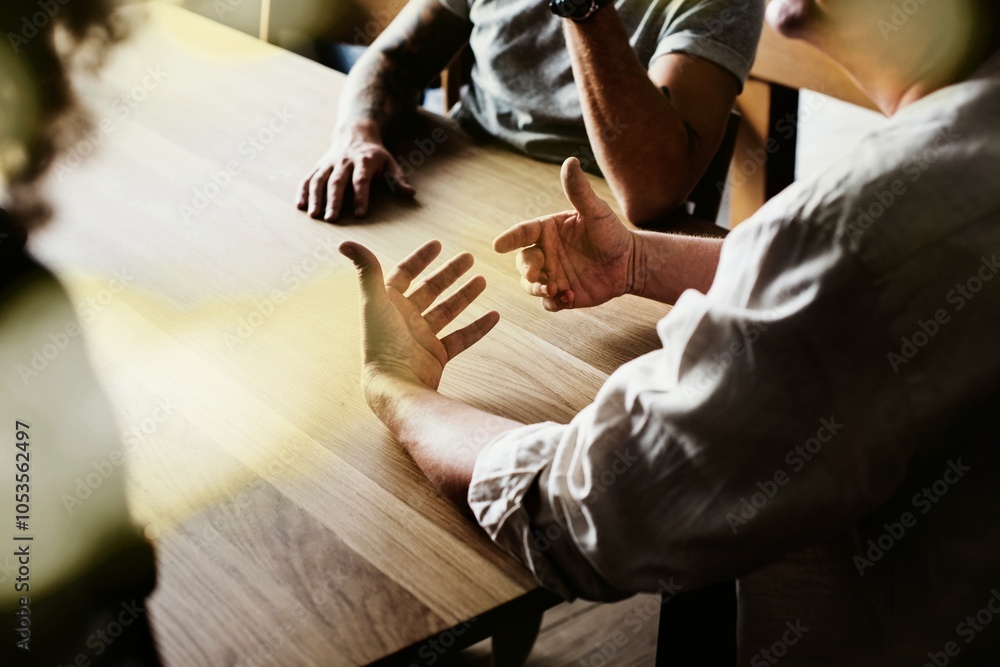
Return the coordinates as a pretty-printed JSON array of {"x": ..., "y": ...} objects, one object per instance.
[{"x": 921, "y": 178}]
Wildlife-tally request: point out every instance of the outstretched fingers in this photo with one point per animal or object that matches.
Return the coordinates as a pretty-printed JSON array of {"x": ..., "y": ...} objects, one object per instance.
[
  {"x": 458, "y": 341},
  {"x": 416, "y": 263},
  {"x": 445, "y": 312},
  {"x": 439, "y": 281}
]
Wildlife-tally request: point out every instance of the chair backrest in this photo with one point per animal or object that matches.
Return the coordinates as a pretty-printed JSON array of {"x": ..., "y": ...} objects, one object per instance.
[
  {"x": 764, "y": 160},
  {"x": 706, "y": 198},
  {"x": 794, "y": 64}
]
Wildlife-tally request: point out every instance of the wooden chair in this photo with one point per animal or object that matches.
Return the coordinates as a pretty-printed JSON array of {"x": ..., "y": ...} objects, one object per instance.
[
  {"x": 763, "y": 131},
  {"x": 705, "y": 199},
  {"x": 699, "y": 627},
  {"x": 764, "y": 160}
]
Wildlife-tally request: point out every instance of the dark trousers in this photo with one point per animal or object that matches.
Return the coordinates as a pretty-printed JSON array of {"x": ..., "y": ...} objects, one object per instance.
[{"x": 699, "y": 628}]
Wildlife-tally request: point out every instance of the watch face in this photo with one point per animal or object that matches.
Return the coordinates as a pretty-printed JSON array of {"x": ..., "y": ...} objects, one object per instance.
[{"x": 573, "y": 9}]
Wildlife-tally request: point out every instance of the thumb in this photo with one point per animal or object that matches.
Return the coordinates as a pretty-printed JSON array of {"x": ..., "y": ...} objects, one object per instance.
[
  {"x": 578, "y": 191},
  {"x": 369, "y": 269}
]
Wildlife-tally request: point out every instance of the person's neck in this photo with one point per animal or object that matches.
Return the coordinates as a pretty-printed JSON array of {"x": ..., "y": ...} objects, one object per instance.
[
  {"x": 894, "y": 78},
  {"x": 894, "y": 89}
]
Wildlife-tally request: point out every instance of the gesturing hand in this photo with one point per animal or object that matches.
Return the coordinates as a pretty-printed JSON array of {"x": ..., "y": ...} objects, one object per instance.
[
  {"x": 355, "y": 158},
  {"x": 400, "y": 331},
  {"x": 573, "y": 259}
]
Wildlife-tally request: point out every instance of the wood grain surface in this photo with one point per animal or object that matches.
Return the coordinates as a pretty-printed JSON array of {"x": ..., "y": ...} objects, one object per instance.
[{"x": 290, "y": 528}]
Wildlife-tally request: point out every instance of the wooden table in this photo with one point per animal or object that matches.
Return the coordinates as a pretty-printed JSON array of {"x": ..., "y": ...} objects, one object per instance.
[{"x": 290, "y": 528}]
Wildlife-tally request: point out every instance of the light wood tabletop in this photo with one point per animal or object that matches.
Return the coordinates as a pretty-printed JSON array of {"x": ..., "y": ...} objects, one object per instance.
[{"x": 290, "y": 529}]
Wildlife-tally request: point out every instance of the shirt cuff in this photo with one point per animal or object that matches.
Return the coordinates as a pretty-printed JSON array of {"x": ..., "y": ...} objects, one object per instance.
[{"x": 505, "y": 471}]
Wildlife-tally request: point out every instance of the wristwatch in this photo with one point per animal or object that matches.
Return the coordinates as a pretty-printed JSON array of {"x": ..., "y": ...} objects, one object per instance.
[{"x": 577, "y": 10}]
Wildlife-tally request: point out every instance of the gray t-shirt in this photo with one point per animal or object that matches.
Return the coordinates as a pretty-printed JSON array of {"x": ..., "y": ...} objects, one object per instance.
[{"x": 522, "y": 88}]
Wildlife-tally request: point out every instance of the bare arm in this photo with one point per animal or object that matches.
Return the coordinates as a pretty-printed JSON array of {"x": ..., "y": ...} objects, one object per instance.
[
  {"x": 442, "y": 435},
  {"x": 382, "y": 90},
  {"x": 666, "y": 265},
  {"x": 384, "y": 86},
  {"x": 402, "y": 317},
  {"x": 665, "y": 143}
]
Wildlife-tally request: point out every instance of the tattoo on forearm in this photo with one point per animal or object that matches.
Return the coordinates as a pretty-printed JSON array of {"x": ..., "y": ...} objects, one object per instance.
[
  {"x": 388, "y": 96},
  {"x": 408, "y": 58}
]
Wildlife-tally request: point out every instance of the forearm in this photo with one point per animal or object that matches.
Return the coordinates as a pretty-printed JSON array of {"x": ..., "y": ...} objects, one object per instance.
[
  {"x": 442, "y": 435},
  {"x": 649, "y": 171},
  {"x": 665, "y": 265},
  {"x": 378, "y": 95},
  {"x": 385, "y": 85}
]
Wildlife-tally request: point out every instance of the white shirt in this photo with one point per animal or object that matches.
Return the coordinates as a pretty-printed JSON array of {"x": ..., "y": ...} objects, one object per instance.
[{"x": 845, "y": 360}]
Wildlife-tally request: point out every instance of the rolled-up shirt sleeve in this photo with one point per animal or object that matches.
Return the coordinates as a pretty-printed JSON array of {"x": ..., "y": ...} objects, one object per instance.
[{"x": 759, "y": 427}]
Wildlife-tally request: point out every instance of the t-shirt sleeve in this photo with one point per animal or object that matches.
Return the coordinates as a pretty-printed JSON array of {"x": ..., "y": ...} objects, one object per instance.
[
  {"x": 751, "y": 433},
  {"x": 725, "y": 32},
  {"x": 458, "y": 7}
]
